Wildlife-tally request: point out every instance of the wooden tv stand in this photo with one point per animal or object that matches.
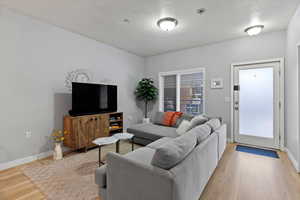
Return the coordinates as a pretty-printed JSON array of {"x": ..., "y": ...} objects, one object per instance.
[{"x": 82, "y": 130}]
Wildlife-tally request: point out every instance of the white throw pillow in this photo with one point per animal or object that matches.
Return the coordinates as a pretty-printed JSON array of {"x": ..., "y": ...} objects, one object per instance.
[{"x": 183, "y": 127}]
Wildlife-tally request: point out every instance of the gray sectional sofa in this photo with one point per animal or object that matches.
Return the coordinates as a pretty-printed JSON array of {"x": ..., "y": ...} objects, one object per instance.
[
  {"x": 150, "y": 132},
  {"x": 135, "y": 176}
]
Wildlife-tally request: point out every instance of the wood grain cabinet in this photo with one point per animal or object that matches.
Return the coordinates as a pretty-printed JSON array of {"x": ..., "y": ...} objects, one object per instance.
[{"x": 82, "y": 130}]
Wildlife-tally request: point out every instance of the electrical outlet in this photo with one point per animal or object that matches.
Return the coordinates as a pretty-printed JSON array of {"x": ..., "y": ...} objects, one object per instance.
[{"x": 28, "y": 134}]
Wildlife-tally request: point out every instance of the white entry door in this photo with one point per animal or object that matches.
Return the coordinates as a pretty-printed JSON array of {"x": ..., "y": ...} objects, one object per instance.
[{"x": 257, "y": 104}]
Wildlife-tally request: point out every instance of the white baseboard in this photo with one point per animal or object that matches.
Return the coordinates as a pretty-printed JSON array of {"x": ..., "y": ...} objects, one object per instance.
[
  {"x": 292, "y": 159},
  {"x": 25, "y": 160}
]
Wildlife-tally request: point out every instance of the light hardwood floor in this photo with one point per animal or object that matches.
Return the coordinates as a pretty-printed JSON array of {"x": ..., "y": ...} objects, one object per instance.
[
  {"x": 243, "y": 176},
  {"x": 239, "y": 176}
]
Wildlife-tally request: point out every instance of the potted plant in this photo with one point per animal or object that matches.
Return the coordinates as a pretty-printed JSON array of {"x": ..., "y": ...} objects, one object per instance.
[
  {"x": 58, "y": 138},
  {"x": 146, "y": 91}
]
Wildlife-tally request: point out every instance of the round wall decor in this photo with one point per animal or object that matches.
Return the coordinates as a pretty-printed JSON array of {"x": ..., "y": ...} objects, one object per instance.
[{"x": 79, "y": 75}]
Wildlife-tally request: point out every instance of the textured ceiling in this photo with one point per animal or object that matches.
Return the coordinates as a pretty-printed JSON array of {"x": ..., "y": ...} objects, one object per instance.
[{"x": 102, "y": 20}]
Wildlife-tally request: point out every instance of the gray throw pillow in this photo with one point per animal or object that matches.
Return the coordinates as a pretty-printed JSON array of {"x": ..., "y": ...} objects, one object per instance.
[
  {"x": 202, "y": 132},
  {"x": 174, "y": 151},
  {"x": 214, "y": 124},
  {"x": 183, "y": 127},
  {"x": 198, "y": 120},
  {"x": 183, "y": 117},
  {"x": 158, "y": 118}
]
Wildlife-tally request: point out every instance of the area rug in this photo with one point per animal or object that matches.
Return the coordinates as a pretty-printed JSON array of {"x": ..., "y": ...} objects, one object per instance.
[
  {"x": 72, "y": 178},
  {"x": 257, "y": 151}
]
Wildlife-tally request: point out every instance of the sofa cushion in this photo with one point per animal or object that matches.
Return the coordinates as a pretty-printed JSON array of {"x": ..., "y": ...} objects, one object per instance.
[
  {"x": 214, "y": 124},
  {"x": 158, "y": 118},
  {"x": 202, "y": 132},
  {"x": 152, "y": 131},
  {"x": 183, "y": 127},
  {"x": 142, "y": 155},
  {"x": 174, "y": 151},
  {"x": 158, "y": 143},
  {"x": 184, "y": 116},
  {"x": 209, "y": 118},
  {"x": 198, "y": 120}
]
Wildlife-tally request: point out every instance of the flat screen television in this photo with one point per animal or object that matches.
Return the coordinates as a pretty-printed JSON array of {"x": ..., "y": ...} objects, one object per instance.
[{"x": 90, "y": 98}]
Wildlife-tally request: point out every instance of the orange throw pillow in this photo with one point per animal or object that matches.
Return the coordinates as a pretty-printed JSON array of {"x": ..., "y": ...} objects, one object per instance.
[
  {"x": 170, "y": 118},
  {"x": 175, "y": 117},
  {"x": 167, "y": 118}
]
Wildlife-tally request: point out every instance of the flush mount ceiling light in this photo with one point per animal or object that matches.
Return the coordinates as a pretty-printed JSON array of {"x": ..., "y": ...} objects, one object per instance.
[
  {"x": 200, "y": 11},
  {"x": 254, "y": 30},
  {"x": 167, "y": 24},
  {"x": 126, "y": 21}
]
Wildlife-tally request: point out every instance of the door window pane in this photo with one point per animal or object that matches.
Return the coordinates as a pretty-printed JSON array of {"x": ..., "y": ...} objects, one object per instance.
[
  {"x": 170, "y": 93},
  {"x": 191, "y": 93},
  {"x": 256, "y": 102}
]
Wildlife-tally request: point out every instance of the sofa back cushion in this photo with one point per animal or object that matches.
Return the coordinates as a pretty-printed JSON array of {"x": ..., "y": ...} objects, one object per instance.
[
  {"x": 183, "y": 127},
  {"x": 174, "y": 151},
  {"x": 210, "y": 117},
  {"x": 201, "y": 132},
  {"x": 158, "y": 118},
  {"x": 198, "y": 120},
  {"x": 214, "y": 124}
]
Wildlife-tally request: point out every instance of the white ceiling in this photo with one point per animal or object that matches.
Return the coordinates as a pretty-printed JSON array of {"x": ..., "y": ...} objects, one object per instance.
[{"x": 103, "y": 20}]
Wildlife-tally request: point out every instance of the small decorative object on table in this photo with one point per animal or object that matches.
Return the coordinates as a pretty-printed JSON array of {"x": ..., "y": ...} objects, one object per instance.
[{"x": 58, "y": 138}]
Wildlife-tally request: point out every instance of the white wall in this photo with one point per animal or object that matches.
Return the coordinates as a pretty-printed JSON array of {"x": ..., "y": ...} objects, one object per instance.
[
  {"x": 217, "y": 59},
  {"x": 35, "y": 59},
  {"x": 292, "y": 87}
]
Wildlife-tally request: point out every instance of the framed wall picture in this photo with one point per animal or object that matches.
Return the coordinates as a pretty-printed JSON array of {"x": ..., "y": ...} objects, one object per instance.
[{"x": 216, "y": 83}]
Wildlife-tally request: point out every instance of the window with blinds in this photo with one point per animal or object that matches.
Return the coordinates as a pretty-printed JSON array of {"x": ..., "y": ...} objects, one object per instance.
[
  {"x": 191, "y": 93},
  {"x": 183, "y": 91},
  {"x": 170, "y": 93}
]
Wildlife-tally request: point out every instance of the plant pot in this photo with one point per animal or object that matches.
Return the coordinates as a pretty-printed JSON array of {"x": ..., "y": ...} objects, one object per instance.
[
  {"x": 57, "y": 153},
  {"x": 146, "y": 120}
]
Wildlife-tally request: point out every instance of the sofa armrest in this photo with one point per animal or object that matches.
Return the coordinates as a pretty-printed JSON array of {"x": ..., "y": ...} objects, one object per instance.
[
  {"x": 222, "y": 139},
  {"x": 130, "y": 180},
  {"x": 100, "y": 176},
  {"x": 193, "y": 173}
]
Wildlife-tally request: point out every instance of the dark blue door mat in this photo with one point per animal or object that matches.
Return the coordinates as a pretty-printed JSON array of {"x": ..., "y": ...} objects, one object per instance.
[{"x": 257, "y": 151}]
